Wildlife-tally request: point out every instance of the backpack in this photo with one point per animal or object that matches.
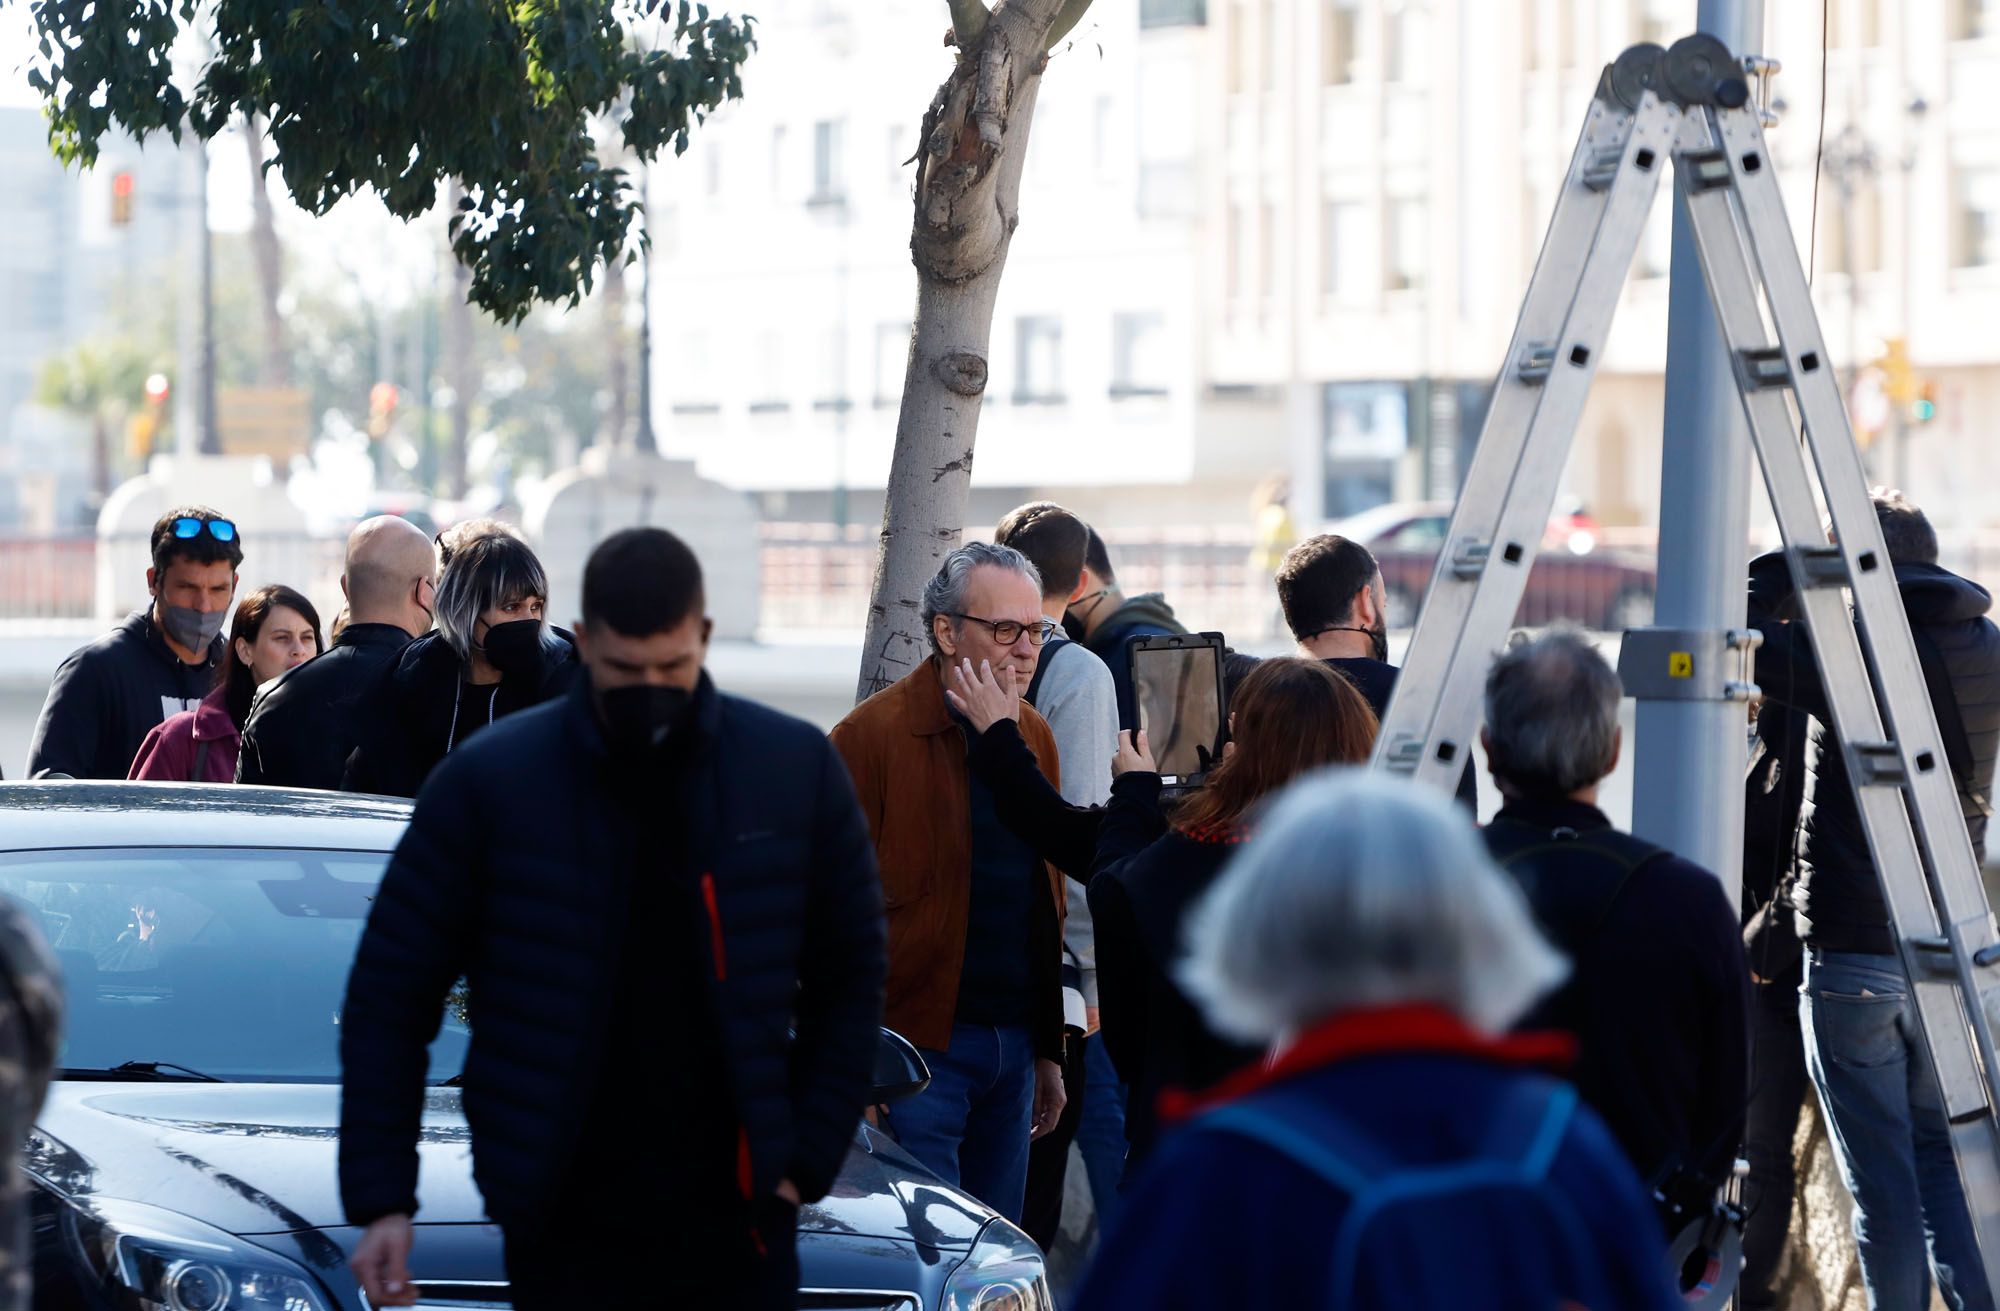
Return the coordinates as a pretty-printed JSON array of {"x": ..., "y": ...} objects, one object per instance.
[
  {"x": 1049, "y": 649},
  {"x": 1448, "y": 1234},
  {"x": 1571, "y": 897}
]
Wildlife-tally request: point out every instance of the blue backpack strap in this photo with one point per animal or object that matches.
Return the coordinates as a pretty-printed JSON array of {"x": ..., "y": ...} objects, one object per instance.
[
  {"x": 1529, "y": 1125},
  {"x": 1304, "y": 1131}
]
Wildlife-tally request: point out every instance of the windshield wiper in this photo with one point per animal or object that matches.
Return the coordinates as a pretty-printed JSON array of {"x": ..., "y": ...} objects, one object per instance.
[{"x": 165, "y": 1071}]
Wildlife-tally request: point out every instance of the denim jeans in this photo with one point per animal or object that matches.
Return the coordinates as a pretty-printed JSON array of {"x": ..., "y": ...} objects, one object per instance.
[
  {"x": 970, "y": 1127},
  {"x": 1100, "y": 1135},
  {"x": 1887, "y": 1120}
]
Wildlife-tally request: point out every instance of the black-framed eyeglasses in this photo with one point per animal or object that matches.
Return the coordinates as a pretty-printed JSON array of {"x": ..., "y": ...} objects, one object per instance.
[
  {"x": 1008, "y": 631},
  {"x": 187, "y": 528}
]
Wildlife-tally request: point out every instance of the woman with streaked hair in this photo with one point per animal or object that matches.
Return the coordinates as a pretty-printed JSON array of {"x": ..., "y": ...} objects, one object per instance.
[
  {"x": 1289, "y": 717},
  {"x": 1397, "y": 1150},
  {"x": 493, "y": 653},
  {"x": 275, "y": 630}
]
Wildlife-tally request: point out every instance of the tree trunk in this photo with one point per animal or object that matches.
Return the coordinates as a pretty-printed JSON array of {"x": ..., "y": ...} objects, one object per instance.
[
  {"x": 618, "y": 361},
  {"x": 458, "y": 367},
  {"x": 973, "y": 147},
  {"x": 270, "y": 258}
]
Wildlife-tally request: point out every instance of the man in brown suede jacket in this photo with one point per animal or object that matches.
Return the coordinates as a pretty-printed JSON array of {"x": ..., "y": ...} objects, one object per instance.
[{"x": 975, "y": 918}]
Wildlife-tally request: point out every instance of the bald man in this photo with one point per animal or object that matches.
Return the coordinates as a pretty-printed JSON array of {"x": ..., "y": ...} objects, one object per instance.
[{"x": 301, "y": 726}]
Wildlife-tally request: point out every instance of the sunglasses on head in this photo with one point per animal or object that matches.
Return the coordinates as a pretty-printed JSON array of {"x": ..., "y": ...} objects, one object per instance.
[{"x": 188, "y": 528}]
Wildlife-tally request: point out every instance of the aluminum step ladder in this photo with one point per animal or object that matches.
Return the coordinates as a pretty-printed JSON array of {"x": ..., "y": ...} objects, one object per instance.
[{"x": 1690, "y": 105}]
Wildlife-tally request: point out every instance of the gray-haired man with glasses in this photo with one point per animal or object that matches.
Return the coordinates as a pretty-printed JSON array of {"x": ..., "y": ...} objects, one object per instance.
[{"x": 975, "y": 918}]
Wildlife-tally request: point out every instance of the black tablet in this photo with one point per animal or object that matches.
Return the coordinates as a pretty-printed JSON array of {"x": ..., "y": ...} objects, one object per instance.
[{"x": 1177, "y": 686}]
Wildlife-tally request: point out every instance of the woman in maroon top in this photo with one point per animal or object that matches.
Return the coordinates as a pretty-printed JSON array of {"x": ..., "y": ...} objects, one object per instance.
[{"x": 276, "y": 629}]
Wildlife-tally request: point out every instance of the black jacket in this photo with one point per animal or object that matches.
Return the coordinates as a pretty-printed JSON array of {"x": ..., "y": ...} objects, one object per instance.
[
  {"x": 420, "y": 710},
  {"x": 1140, "y": 616},
  {"x": 1064, "y": 835},
  {"x": 1376, "y": 681},
  {"x": 1139, "y": 899},
  {"x": 303, "y": 726},
  {"x": 1774, "y": 791},
  {"x": 107, "y": 696},
  {"x": 1660, "y": 993},
  {"x": 506, "y": 877},
  {"x": 1839, "y": 896}
]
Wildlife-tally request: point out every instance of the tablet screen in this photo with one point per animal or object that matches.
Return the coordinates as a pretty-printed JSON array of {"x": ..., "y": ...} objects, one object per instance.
[{"x": 1177, "y": 690}]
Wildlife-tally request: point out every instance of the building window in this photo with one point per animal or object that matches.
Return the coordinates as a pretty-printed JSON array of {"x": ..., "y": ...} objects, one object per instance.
[
  {"x": 1267, "y": 251},
  {"x": 1975, "y": 219},
  {"x": 1339, "y": 40},
  {"x": 1407, "y": 245},
  {"x": 1402, "y": 42},
  {"x": 831, "y": 392},
  {"x": 1975, "y": 20},
  {"x": 691, "y": 377},
  {"x": 1855, "y": 23},
  {"x": 829, "y": 179},
  {"x": 1038, "y": 360},
  {"x": 1139, "y": 355},
  {"x": 769, "y": 393},
  {"x": 1272, "y": 24},
  {"x": 1236, "y": 255},
  {"x": 892, "y": 362},
  {"x": 1172, "y": 13},
  {"x": 1344, "y": 257}
]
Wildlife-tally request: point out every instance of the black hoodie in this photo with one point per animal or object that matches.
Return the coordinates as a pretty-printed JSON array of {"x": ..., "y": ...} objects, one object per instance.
[
  {"x": 1840, "y": 899},
  {"x": 107, "y": 696}
]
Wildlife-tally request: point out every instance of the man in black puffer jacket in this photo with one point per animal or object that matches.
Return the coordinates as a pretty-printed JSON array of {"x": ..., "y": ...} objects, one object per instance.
[
  {"x": 664, "y": 903},
  {"x": 1874, "y": 1079}
]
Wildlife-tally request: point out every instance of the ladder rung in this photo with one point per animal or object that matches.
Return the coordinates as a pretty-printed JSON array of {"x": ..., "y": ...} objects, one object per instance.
[
  {"x": 1602, "y": 170},
  {"x": 1878, "y": 764},
  {"x": 1537, "y": 362},
  {"x": 1705, "y": 170},
  {"x": 1823, "y": 566},
  {"x": 1763, "y": 368},
  {"x": 1468, "y": 559}
]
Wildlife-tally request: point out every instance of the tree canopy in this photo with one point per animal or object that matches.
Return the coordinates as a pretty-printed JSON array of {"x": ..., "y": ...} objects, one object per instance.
[{"x": 401, "y": 95}]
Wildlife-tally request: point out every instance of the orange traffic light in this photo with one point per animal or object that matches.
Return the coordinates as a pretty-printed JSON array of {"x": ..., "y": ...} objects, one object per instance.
[
  {"x": 382, "y": 399},
  {"x": 121, "y": 197}
]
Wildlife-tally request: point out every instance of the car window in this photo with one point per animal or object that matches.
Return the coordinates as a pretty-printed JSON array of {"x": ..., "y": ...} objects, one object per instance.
[
  {"x": 231, "y": 962},
  {"x": 1418, "y": 535}
]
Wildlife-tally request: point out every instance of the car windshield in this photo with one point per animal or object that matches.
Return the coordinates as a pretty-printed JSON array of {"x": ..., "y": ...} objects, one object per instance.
[{"x": 230, "y": 962}]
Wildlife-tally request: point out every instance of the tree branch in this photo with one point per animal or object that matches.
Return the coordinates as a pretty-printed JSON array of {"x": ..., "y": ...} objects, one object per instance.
[
  {"x": 968, "y": 20},
  {"x": 1066, "y": 20}
]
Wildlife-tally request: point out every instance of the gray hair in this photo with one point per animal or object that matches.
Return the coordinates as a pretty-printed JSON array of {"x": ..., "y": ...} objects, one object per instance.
[
  {"x": 945, "y": 593},
  {"x": 1906, "y": 530},
  {"x": 1552, "y": 715},
  {"x": 487, "y": 571},
  {"x": 1362, "y": 890}
]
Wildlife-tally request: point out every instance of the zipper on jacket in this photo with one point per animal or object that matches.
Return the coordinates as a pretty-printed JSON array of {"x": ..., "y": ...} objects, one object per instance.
[{"x": 716, "y": 948}]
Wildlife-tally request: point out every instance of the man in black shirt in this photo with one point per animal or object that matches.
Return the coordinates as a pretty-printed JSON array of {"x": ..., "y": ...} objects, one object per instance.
[
  {"x": 1104, "y": 619},
  {"x": 665, "y": 907},
  {"x": 1659, "y": 994},
  {"x": 303, "y": 726},
  {"x": 107, "y": 696},
  {"x": 1331, "y": 592}
]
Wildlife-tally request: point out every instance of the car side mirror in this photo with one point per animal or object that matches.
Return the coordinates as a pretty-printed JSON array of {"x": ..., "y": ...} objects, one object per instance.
[{"x": 900, "y": 1071}]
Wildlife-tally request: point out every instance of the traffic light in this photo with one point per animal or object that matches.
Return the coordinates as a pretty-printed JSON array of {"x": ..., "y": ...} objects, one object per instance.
[
  {"x": 1924, "y": 408},
  {"x": 381, "y": 409},
  {"x": 121, "y": 198}
]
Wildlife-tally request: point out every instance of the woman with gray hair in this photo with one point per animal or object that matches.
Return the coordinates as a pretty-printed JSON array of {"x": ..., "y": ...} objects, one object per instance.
[
  {"x": 493, "y": 653},
  {"x": 1397, "y": 1150}
]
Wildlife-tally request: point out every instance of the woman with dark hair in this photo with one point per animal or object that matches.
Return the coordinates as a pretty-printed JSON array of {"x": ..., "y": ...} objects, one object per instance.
[
  {"x": 493, "y": 653},
  {"x": 1290, "y": 717},
  {"x": 276, "y": 629}
]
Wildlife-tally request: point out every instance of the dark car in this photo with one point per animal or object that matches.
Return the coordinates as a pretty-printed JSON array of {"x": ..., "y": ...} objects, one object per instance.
[
  {"x": 1574, "y": 578},
  {"x": 185, "y": 1158}
]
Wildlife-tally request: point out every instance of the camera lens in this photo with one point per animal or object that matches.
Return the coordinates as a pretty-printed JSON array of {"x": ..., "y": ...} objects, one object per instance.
[{"x": 192, "y": 1287}]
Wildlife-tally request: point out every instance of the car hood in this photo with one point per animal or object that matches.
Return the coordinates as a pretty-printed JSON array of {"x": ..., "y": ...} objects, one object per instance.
[{"x": 261, "y": 1159}]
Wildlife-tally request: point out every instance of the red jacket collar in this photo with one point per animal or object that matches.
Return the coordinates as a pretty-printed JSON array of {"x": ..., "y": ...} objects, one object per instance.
[
  {"x": 1384, "y": 1031},
  {"x": 211, "y": 718}
]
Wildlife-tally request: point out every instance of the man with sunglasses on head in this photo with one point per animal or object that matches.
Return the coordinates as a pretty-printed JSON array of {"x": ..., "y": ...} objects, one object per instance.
[
  {"x": 159, "y": 662},
  {"x": 304, "y": 725},
  {"x": 975, "y": 917}
]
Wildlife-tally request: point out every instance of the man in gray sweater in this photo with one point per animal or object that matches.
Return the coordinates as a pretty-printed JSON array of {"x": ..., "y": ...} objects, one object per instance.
[{"x": 1074, "y": 691}]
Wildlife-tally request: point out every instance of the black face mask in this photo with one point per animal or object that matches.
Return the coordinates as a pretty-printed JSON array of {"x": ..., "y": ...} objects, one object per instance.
[
  {"x": 640, "y": 722},
  {"x": 1378, "y": 638},
  {"x": 515, "y": 648}
]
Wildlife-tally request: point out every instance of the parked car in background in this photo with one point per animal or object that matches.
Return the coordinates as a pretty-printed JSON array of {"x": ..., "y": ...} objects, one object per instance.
[
  {"x": 1575, "y": 577},
  {"x": 185, "y": 1159}
]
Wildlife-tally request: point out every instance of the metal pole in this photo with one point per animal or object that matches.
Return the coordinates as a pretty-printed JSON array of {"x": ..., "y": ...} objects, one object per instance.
[
  {"x": 1687, "y": 792},
  {"x": 647, "y": 442}
]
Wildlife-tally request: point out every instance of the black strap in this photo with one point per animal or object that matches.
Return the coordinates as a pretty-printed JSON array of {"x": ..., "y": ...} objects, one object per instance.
[
  {"x": 200, "y": 759},
  {"x": 1950, "y": 721},
  {"x": 1517, "y": 845},
  {"x": 1049, "y": 649}
]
